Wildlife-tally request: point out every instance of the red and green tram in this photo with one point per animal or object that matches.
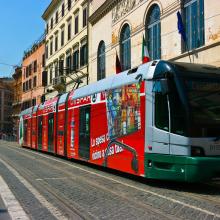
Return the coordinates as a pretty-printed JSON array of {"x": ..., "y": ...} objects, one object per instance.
[{"x": 160, "y": 120}]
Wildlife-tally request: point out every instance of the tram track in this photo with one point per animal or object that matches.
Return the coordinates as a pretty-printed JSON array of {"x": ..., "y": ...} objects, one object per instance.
[
  {"x": 70, "y": 210},
  {"x": 84, "y": 179},
  {"x": 186, "y": 194},
  {"x": 206, "y": 191},
  {"x": 215, "y": 201},
  {"x": 212, "y": 200}
]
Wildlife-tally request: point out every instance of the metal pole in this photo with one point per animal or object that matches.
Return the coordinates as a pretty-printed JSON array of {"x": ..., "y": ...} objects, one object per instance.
[{"x": 187, "y": 48}]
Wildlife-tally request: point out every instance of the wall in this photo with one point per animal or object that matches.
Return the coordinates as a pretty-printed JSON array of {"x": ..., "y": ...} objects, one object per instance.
[
  {"x": 38, "y": 91},
  {"x": 134, "y": 12}
]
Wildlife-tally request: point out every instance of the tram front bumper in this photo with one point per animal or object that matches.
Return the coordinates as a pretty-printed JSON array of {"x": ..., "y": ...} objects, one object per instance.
[{"x": 181, "y": 168}]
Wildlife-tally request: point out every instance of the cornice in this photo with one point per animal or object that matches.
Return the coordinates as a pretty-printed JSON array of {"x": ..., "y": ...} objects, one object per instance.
[
  {"x": 195, "y": 51},
  {"x": 107, "y": 6},
  {"x": 50, "y": 9}
]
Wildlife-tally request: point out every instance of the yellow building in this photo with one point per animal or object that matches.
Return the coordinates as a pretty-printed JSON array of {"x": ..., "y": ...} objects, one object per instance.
[
  {"x": 66, "y": 45},
  {"x": 119, "y": 25}
]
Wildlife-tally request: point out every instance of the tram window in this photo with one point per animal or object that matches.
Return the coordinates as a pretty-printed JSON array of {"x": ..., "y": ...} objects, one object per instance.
[
  {"x": 161, "y": 112},
  {"x": 178, "y": 119},
  {"x": 40, "y": 127},
  {"x": 61, "y": 133},
  {"x": 87, "y": 122},
  {"x": 161, "y": 108},
  {"x": 25, "y": 130},
  {"x": 50, "y": 128}
]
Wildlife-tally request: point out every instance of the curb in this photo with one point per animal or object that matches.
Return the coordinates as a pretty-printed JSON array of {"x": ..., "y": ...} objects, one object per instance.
[{"x": 10, "y": 208}]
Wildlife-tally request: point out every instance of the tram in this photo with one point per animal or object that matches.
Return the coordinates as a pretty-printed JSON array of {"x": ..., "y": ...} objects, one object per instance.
[{"x": 160, "y": 120}]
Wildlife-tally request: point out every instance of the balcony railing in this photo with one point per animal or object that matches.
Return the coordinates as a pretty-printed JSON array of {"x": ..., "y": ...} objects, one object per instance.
[{"x": 59, "y": 83}]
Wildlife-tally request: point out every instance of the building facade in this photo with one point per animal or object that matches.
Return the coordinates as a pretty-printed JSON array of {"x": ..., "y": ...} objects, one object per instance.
[
  {"x": 32, "y": 69},
  {"x": 66, "y": 45},
  {"x": 119, "y": 26},
  {"x": 6, "y": 99},
  {"x": 17, "y": 101}
]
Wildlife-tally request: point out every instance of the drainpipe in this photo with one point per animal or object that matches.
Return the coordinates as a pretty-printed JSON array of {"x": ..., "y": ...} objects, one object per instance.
[{"x": 88, "y": 2}]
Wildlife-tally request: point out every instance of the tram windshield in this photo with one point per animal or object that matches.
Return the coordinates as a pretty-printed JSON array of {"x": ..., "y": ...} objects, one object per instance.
[{"x": 203, "y": 96}]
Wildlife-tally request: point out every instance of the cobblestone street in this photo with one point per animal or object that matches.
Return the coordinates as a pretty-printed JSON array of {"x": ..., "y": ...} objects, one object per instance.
[{"x": 48, "y": 187}]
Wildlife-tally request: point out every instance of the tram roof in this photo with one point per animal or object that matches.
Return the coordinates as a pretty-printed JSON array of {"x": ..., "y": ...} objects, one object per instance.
[
  {"x": 41, "y": 106},
  {"x": 114, "y": 81},
  {"x": 26, "y": 111},
  {"x": 35, "y": 108},
  {"x": 63, "y": 98}
]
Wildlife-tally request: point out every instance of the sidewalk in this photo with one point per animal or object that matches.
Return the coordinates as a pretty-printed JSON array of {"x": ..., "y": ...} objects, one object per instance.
[
  {"x": 3, "y": 211},
  {"x": 10, "y": 208}
]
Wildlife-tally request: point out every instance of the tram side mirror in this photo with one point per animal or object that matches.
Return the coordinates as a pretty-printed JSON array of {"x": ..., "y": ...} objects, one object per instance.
[{"x": 164, "y": 83}]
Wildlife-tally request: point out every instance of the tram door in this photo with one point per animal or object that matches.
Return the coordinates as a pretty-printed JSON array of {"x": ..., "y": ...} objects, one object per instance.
[
  {"x": 84, "y": 132},
  {"x": 50, "y": 131},
  {"x": 40, "y": 127},
  {"x": 25, "y": 131}
]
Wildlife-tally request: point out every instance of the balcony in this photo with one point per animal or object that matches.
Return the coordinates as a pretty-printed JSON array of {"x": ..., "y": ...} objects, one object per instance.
[
  {"x": 59, "y": 83},
  {"x": 16, "y": 103}
]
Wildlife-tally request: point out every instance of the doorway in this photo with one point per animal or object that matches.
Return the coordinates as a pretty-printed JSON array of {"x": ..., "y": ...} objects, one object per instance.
[{"x": 84, "y": 132}]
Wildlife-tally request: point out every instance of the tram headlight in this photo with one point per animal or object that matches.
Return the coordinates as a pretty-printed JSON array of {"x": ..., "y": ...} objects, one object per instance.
[{"x": 197, "y": 151}]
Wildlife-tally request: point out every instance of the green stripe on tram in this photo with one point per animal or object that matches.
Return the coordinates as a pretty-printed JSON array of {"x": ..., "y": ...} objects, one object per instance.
[{"x": 181, "y": 168}]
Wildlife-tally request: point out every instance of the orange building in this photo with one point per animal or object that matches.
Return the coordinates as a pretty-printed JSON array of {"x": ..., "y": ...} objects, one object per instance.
[{"x": 32, "y": 68}]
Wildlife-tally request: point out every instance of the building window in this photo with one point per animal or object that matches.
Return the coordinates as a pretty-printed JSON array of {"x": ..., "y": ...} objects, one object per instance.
[
  {"x": 69, "y": 30},
  {"x": 101, "y": 61},
  {"x": 60, "y": 67},
  {"x": 35, "y": 82},
  {"x": 63, "y": 9},
  {"x": 62, "y": 37},
  {"x": 76, "y": 24},
  {"x": 47, "y": 28},
  {"x": 43, "y": 60},
  {"x": 68, "y": 64},
  {"x": 57, "y": 17},
  {"x": 51, "y": 23},
  {"x": 44, "y": 78},
  {"x": 125, "y": 47},
  {"x": 51, "y": 47},
  {"x": 35, "y": 66},
  {"x": 153, "y": 31},
  {"x": 24, "y": 87},
  {"x": 51, "y": 75},
  {"x": 46, "y": 51},
  {"x": 69, "y": 4},
  {"x": 30, "y": 69},
  {"x": 56, "y": 42},
  {"x": 75, "y": 63},
  {"x": 83, "y": 55},
  {"x": 30, "y": 84},
  {"x": 56, "y": 69},
  {"x": 34, "y": 102},
  {"x": 43, "y": 98},
  {"x": 27, "y": 71},
  {"x": 194, "y": 23},
  {"x": 24, "y": 73},
  {"x": 84, "y": 17}
]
